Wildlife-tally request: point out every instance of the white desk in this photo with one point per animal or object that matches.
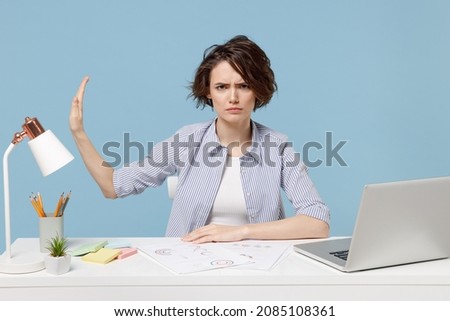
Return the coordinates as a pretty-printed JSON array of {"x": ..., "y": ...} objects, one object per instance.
[{"x": 295, "y": 278}]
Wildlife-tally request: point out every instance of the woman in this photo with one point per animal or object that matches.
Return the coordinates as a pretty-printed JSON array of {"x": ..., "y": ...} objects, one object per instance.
[{"x": 231, "y": 169}]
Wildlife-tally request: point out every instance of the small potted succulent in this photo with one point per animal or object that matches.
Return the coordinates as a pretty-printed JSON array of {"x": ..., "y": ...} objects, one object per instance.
[{"x": 58, "y": 260}]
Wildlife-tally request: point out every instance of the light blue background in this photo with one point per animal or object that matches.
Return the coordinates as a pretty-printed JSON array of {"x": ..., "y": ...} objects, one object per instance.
[{"x": 374, "y": 73}]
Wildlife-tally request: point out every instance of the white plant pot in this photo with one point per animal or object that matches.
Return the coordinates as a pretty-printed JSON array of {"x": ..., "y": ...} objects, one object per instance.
[{"x": 57, "y": 265}]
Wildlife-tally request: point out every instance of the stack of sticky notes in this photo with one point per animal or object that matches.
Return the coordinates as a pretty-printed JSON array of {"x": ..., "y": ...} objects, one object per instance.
[
  {"x": 89, "y": 248},
  {"x": 125, "y": 249},
  {"x": 124, "y": 253},
  {"x": 103, "y": 252},
  {"x": 117, "y": 245},
  {"x": 102, "y": 256}
]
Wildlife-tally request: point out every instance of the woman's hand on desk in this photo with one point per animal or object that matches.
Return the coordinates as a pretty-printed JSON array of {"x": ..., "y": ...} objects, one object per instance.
[
  {"x": 216, "y": 233},
  {"x": 296, "y": 227}
]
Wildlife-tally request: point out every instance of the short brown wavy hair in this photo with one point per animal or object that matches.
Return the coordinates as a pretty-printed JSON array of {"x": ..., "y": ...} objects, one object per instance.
[{"x": 247, "y": 58}]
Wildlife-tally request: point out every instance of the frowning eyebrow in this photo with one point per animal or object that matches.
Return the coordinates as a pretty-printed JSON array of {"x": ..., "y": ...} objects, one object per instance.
[{"x": 226, "y": 84}]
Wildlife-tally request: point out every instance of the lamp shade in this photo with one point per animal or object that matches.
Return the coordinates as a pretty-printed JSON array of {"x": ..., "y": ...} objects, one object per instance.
[{"x": 49, "y": 152}]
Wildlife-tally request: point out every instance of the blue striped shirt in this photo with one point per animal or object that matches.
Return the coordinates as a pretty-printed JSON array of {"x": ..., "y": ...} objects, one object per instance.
[{"x": 195, "y": 154}]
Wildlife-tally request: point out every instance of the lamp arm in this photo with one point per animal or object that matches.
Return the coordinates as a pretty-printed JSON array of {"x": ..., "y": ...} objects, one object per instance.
[{"x": 7, "y": 206}]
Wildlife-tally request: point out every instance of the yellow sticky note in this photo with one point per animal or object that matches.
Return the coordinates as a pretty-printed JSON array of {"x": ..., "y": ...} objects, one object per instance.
[{"x": 102, "y": 256}]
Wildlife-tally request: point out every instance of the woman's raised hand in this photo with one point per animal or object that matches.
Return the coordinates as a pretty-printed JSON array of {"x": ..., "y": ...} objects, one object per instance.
[{"x": 76, "y": 112}]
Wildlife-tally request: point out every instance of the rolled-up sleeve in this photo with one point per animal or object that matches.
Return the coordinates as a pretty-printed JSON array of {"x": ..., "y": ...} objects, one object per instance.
[
  {"x": 135, "y": 177},
  {"x": 299, "y": 187}
]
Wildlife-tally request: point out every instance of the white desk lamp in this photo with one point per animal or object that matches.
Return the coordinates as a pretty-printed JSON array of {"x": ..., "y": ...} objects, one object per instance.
[{"x": 50, "y": 155}]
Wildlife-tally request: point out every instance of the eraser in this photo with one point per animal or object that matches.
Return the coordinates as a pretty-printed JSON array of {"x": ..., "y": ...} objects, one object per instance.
[{"x": 126, "y": 253}]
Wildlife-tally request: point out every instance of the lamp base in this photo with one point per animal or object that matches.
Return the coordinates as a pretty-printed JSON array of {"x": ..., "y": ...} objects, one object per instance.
[{"x": 26, "y": 262}]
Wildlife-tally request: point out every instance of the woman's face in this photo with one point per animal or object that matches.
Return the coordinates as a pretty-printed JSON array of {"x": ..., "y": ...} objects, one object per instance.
[{"x": 232, "y": 98}]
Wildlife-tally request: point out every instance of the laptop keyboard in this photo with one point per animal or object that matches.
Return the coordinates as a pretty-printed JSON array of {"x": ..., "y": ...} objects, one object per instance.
[{"x": 340, "y": 254}]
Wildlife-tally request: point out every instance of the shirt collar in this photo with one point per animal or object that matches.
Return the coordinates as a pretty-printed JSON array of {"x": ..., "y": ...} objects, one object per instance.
[
  {"x": 254, "y": 151},
  {"x": 212, "y": 140}
]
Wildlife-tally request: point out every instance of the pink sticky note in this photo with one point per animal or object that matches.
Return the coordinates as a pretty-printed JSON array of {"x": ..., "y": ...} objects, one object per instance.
[{"x": 126, "y": 253}]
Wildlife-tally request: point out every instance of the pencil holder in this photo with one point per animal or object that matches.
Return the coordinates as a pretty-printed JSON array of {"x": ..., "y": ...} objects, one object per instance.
[{"x": 49, "y": 227}]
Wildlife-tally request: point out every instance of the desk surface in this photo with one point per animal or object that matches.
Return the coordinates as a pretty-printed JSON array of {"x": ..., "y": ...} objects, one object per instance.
[{"x": 295, "y": 278}]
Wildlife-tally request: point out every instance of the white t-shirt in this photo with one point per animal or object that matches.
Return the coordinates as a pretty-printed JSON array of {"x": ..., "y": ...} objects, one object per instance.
[{"x": 229, "y": 206}]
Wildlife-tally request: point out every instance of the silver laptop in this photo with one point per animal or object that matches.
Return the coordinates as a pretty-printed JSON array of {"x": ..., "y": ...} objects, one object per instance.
[{"x": 397, "y": 223}]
